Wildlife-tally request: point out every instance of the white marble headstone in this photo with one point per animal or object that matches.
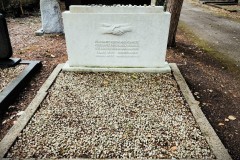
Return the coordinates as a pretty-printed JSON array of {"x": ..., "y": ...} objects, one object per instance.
[
  {"x": 116, "y": 38},
  {"x": 51, "y": 17}
]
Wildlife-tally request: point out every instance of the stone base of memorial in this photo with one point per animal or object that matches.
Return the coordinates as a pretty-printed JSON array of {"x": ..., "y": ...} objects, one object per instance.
[
  {"x": 119, "y": 38},
  {"x": 164, "y": 69}
]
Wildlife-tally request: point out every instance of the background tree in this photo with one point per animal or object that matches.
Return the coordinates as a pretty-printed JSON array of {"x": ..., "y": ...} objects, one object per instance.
[{"x": 174, "y": 7}]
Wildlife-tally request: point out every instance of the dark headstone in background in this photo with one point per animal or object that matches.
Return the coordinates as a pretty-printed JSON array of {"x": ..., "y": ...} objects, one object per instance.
[
  {"x": 106, "y": 2},
  {"x": 5, "y": 44}
]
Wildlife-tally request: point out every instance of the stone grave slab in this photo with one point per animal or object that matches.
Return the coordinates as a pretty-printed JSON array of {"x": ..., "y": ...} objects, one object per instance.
[
  {"x": 12, "y": 90},
  {"x": 75, "y": 127},
  {"x": 119, "y": 37}
]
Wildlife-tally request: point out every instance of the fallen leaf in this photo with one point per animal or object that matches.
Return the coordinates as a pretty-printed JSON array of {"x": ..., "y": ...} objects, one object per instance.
[
  {"x": 210, "y": 90},
  {"x": 232, "y": 118},
  {"x": 220, "y": 124},
  {"x": 20, "y": 113},
  {"x": 226, "y": 119},
  {"x": 12, "y": 116},
  {"x": 134, "y": 76},
  {"x": 11, "y": 107},
  {"x": 4, "y": 122},
  {"x": 196, "y": 93},
  {"x": 105, "y": 82},
  {"x": 174, "y": 148},
  {"x": 149, "y": 135}
]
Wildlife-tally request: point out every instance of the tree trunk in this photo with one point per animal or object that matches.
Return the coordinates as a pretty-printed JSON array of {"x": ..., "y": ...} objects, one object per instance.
[
  {"x": 3, "y": 8},
  {"x": 21, "y": 8},
  {"x": 174, "y": 7}
]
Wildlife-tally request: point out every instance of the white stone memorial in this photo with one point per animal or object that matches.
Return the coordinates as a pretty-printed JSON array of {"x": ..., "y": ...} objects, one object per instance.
[
  {"x": 51, "y": 18},
  {"x": 116, "y": 38}
]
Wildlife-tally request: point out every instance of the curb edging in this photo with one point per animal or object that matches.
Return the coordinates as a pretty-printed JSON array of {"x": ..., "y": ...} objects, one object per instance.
[
  {"x": 23, "y": 120},
  {"x": 18, "y": 83},
  {"x": 213, "y": 140}
]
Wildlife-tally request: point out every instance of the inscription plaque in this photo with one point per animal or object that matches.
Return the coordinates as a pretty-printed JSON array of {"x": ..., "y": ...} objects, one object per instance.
[{"x": 117, "y": 48}]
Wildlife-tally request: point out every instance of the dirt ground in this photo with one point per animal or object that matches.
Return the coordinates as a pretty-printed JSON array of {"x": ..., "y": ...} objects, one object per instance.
[
  {"x": 215, "y": 87},
  {"x": 213, "y": 84}
]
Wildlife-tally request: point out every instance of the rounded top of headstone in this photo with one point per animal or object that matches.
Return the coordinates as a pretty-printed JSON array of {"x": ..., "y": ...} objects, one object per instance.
[{"x": 116, "y": 9}]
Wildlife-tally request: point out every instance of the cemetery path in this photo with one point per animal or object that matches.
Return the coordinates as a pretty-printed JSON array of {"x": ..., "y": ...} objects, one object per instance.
[{"x": 222, "y": 34}]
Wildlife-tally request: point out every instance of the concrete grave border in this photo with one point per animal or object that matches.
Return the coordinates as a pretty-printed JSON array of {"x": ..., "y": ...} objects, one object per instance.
[
  {"x": 14, "y": 87},
  {"x": 22, "y": 121},
  {"x": 213, "y": 140}
]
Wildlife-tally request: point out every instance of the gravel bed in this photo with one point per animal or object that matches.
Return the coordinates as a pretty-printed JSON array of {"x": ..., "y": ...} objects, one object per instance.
[
  {"x": 112, "y": 115},
  {"x": 7, "y": 74}
]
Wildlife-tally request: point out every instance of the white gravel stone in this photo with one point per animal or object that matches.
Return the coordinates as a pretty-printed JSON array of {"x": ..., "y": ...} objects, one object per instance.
[{"x": 112, "y": 115}]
